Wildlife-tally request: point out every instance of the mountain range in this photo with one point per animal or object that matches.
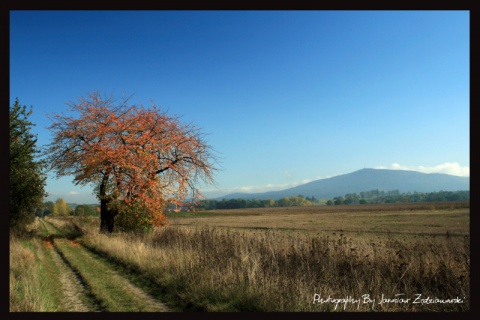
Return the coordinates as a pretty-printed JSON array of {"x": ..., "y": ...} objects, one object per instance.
[{"x": 365, "y": 180}]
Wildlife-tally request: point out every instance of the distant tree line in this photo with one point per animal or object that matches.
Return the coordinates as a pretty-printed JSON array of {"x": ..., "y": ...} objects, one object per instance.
[
  {"x": 364, "y": 197},
  {"x": 293, "y": 201},
  {"x": 394, "y": 196},
  {"x": 60, "y": 208}
]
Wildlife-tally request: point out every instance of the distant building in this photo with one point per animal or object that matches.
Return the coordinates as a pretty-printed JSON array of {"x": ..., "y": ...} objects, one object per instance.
[{"x": 177, "y": 209}]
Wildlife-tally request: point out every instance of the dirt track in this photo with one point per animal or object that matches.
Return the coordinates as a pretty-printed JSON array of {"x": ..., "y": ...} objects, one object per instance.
[{"x": 83, "y": 291}]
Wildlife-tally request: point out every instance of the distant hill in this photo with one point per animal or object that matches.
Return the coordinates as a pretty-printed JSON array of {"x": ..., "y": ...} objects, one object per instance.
[{"x": 366, "y": 180}]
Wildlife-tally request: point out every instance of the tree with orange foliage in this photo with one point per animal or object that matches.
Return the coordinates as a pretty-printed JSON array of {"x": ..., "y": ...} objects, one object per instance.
[{"x": 139, "y": 159}]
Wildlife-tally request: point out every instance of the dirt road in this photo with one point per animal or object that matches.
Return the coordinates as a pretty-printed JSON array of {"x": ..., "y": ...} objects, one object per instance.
[{"x": 89, "y": 283}]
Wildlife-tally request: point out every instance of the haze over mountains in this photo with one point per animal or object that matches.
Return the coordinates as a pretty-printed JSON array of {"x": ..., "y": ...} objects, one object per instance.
[{"x": 366, "y": 180}]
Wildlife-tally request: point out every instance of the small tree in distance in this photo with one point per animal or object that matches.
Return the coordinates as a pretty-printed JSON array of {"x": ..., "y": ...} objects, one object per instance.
[
  {"x": 139, "y": 159},
  {"x": 60, "y": 208}
]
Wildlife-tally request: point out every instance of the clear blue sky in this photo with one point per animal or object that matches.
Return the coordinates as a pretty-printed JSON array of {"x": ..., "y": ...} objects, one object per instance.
[{"x": 285, "y": 97}]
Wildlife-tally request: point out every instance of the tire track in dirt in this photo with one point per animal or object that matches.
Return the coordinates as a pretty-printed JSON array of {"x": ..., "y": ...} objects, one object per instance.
[
  {"x": 150, "y": 304},
  {"x": 78, "y": 294},
  {"x": 72, "y": 287},
  {"x": 74, "y": 291}
]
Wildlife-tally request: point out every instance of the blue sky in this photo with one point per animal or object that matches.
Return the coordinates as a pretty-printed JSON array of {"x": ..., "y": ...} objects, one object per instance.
[{"x": 284, "y": 97}]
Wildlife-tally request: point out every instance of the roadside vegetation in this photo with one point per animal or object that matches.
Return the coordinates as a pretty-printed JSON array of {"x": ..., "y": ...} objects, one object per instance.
[
  {"x": 212, "y": 270},
  {"x": 50, "y": 271},
  {"x": 35, "y": 277}
]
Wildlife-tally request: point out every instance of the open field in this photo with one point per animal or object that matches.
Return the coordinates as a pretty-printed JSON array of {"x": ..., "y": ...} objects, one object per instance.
[
  {"x": 424, "y": 219},
  {"x": 314, "y": 259}
]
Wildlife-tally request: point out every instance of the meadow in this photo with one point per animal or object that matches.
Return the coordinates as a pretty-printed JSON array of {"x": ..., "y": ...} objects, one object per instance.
[
  {"x": 420, "y": 219},
  {"x": 399, "y": 257}
]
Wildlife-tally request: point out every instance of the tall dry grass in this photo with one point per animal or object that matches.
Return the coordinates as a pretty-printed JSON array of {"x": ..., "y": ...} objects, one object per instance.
[
  {"x": 28, "y": 291},
  {"x": 35, "y": 284},
  {"x": 212, "y": 269}
]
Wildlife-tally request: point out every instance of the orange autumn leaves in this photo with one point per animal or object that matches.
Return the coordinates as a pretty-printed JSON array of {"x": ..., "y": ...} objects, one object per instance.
[{"x": 148, "y": 158}]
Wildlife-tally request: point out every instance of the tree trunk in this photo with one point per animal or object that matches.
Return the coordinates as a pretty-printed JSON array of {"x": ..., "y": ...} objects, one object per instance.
[{"x": 107, "y": 218}]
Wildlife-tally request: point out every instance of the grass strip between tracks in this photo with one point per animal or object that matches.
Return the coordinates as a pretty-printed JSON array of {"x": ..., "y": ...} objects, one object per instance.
[{"x": 103, "y": 282}]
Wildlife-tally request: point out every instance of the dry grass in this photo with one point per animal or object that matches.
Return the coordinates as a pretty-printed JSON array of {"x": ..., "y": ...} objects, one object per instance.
[
  {"x": 363, "y": 220},
  {"x": 22, "y": 278},
  {"x": 217, "y": 269},
  {"x": 28, "y": 287}
]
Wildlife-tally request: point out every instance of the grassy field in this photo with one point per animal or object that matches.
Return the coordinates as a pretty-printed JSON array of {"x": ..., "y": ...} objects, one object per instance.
[
  {"x": 336, "y": 259},
  {"x": 424, "y": 219}
]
